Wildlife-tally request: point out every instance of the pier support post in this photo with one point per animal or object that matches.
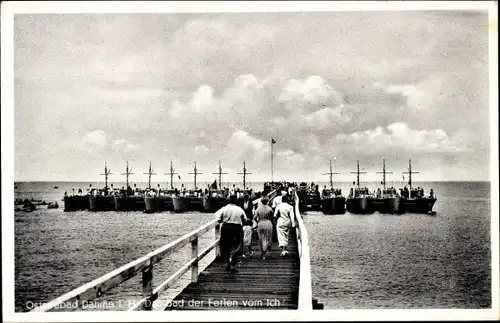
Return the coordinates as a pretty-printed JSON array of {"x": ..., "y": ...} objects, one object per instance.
[
  {"x": 147, "y": 286},
  {"x": 216, "y": 236},
  {"x": 194, "y": 255}
]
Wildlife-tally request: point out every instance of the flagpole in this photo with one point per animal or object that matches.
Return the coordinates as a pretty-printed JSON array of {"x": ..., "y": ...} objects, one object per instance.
[{"x": 272, "y": 168}]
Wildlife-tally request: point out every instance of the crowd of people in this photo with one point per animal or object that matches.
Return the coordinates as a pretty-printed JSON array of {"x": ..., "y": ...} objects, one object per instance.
[
  {"x": 239, "y": 223},
  {"x": 390, "y": 191},
  {"x": 415, "y": 192},
  {"x": 335, "y": 192},
  {"x": 182, "y": 191}
]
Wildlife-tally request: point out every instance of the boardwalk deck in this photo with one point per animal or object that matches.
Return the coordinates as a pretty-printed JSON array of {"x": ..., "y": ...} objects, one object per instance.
[{"x": 272, "y": 283}]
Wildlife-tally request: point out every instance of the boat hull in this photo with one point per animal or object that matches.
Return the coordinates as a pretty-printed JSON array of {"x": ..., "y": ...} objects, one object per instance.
[
  {"x": 165, "y": 203},
  {"x": 129, "y": 203},
  {"x": 150, "y": 204},
  {"x": 101, "y": 203},
  {"x": 360, "y": 205},
  {"x": 419, "y": 205},
  {"x": 76, "y": 202},
  {"x": 388, "y": 205},
  {"x": 211, "y": 204},
  {"x": 333, "y": 205},
  {"x": 194, "y": 204},
  {"x": 180, "y": 203},
  {"x": 158, "y": 203}
]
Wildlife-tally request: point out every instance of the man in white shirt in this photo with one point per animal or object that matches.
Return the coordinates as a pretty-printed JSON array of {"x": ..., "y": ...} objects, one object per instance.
[
  {"x": 278, "y": 199},
  {"x": 232, "y": 218},
  {"x": 285, "y": 221}
]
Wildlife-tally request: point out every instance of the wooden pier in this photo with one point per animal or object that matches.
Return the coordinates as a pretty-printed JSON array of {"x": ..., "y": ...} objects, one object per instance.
[{"x": 273, "y": 283}]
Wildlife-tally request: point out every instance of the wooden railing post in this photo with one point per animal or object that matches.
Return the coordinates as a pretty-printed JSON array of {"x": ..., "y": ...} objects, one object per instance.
[
  {"x": 143, "y": 266},
  {"x": 194, "y": 255},
  {"x": 147, "y": 286},
  {"x": 217, "y": 235}
]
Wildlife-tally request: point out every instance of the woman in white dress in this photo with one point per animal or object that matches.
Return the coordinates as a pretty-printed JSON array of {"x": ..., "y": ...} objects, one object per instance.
[{"x": 285, "y": 221}]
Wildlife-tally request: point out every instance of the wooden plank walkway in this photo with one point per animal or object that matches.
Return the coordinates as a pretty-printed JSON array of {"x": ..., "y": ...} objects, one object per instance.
[
  {"x": 274, "y": 283},
  {"x": 271, "y": 283}
]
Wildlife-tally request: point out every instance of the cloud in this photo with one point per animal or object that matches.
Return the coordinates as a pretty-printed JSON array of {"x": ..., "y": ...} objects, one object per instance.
[
  {"x": 202, "y": 149},
  {"x": 229, "y": 82},
  {"x": 242, "y": 139},
  {"x": 327, "y": 117},
  {"x": 313, "y": 89},
  {"x": 122, "y": 145},
  {"x": 400, "y": 137},
  {"x": 420, "y": 96},
  {"x": 96, "y": 139}
]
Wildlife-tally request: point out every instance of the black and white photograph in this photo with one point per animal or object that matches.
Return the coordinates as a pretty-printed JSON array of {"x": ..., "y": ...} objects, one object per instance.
[{"x": 171, "y": 161}]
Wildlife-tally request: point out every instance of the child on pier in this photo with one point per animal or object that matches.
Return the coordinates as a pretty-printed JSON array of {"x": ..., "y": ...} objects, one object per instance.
[{"x": 247, "y": 238}]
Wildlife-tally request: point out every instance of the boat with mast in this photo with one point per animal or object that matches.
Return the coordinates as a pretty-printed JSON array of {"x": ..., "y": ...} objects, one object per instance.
[
  {"x": 189, "y": 200},
  {"x": 332, "y": 201},
  {"x": 165, "y": 196},
  {"x": 387, "y": 200},
  {"x": 359, "y": 200},
  {"x": 126, "y": 199},
  {"x": 151, "y": 203},
  {"x": 215, "y": 197},
  {"x": 414, "y": 199},
  {"x": 194, "y": 199},
  {"x": 245, "y": 190},
  {"x": 76, "y": 202},
  {"x": 100, "y": 199}
]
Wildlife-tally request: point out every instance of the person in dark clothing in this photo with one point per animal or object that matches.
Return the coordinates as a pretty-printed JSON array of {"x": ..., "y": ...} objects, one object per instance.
[
  {"x": 232, "y": 218},
  {"x": 248, "y": 207}
]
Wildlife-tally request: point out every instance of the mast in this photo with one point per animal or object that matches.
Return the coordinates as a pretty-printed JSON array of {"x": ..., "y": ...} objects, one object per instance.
[
  {"x": 357, "y": 172},
  {"x": 220, "y": 173},
  {"x": 107, "y": 172},
  {"x": 195, "y": 174},
  {"x": 272, "y": 166},
  {"x": 172, "y": 173},
  {"x": 383, "y": 172},
  {"x": 127, "y": 173},
  {"x": 150, "y": 172},
  {"x": 409, "y": 172},
  {"x": 331, "y": 175},
  {"x": 244, "y": 175}
]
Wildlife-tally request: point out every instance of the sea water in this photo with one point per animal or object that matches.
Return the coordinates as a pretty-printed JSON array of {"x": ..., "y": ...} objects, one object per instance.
[{"x": 357, "y": 261}]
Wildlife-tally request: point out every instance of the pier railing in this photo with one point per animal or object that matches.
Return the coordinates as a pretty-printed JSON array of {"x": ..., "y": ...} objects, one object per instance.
[
  {"x": 144, "y": 265},
  {"x": 305, "y": 288}
]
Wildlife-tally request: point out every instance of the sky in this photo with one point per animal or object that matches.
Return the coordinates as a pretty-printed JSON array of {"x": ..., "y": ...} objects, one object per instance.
[{"x": 340, "y": 86}]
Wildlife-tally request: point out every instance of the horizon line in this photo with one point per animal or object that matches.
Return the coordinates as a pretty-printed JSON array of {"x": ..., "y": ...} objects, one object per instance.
[{"x": 298, "y": 181}]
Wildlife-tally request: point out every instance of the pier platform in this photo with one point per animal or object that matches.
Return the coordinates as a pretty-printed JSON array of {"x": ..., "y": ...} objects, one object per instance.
[
  {"x": 271, "y": 283},
  {"x": 277, "y": 282}
]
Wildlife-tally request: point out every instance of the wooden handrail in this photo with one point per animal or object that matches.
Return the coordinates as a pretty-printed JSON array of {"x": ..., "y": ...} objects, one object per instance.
[
  {"x": 305, "y": 288},
  {"x": 144, "y": 265},
  {"x": 99, "y": 286},
  {"x": 147, "y": 301}
]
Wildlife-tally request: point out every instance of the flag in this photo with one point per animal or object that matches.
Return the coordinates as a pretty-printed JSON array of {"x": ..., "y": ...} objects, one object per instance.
[
  {"x": 403, "y": 177},
  {"x": 179, "y": 176},
  {"x": 273, "y": 141},
  {"x": 214, "y": 185}
]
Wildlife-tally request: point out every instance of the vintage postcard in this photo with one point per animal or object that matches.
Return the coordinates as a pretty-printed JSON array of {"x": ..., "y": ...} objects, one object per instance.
[{"x": 249, "y": 161}]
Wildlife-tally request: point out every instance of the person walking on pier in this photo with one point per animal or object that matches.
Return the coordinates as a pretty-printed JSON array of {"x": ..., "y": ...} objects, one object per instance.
[
  {"x": 247, "y": 206},
  {"x": 285, "y": 221},
  {"x": 262, "y": 217},
  {"x": 232, "y": 218}
]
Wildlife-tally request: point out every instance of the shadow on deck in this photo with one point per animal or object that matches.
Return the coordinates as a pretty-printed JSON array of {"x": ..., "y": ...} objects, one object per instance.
[{"x": 271, "y": 283}]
